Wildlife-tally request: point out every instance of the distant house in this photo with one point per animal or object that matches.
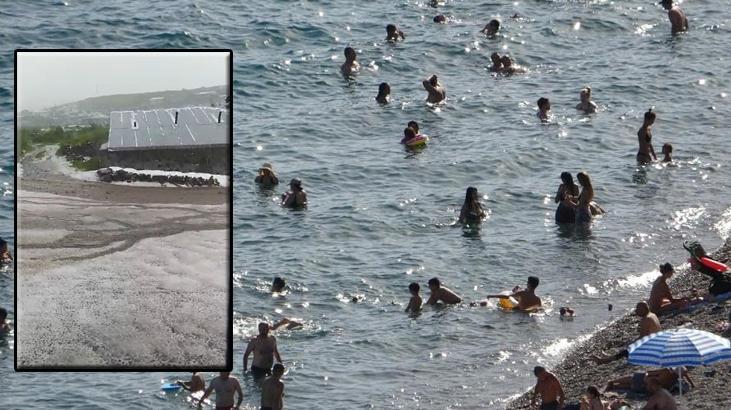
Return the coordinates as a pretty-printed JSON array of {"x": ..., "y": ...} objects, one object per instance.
[{"x": 190, "y": 139}]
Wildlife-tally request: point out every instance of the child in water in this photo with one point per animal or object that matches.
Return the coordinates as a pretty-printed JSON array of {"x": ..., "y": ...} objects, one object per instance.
[
  {"x": 544, "y": 106},
  {"x": 415, "y": 301},
  {"x": 667, "y": 150}
]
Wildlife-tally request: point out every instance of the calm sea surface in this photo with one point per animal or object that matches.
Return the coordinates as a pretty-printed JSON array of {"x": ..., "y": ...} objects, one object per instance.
[{"x": 380, "y": 217}]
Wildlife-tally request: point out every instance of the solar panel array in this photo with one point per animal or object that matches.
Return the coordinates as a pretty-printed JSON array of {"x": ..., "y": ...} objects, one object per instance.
[{"x": 149, "y": 129}]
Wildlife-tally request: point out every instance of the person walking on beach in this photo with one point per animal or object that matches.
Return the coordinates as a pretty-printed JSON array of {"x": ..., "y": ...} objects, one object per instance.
[
  {"x": 442, "y": 294},
  {"x": 296, "y": 197},
  {"x": 272, "y": 390},
  {"x": 586, "y": 104},
  {"x": 491, "y": 28},
  {"x": 544, "y": 106},
  {"x": 661, "y": 300},
  {"x": 225, "y": 386},
  {"x": 678, "y": 20},
  {"x": 567, "y": 192},
  {"x": 583, "y": 204},
  {"x": 549, "y": 389},
  {"x": 415, "y": 301},
  {"x": 196, "y": 383},
  {"x": 384, "y": 92},
  {"x": 472, "y": 212},
  {"x": 350, "y": 66},
  {"x": 436, "y": 90},
  {"x": 527, "y": 299},
  {"x": 264, "y": 347},
  {"x": 644, "y": 136},
  {"x": 393, "y": 34},
  {"x": 266, "y": 178}
]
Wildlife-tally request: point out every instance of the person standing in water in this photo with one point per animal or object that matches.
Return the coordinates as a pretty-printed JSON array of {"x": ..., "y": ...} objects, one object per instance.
[
  {"x": 644, "y": 136},
  {"x": 544, "y": 106},
  {"x": 272, "y": 390},
  {"x": 497, "y": 64},
  {"x": 442, "y": 294},
  {"x": 678, "y": 20},
  {"x": 415, "y": 301},
  {"x": 266, "y": 178},
  {"x": 472, "y": 212},
  {"x": 225, "y": 386},
  {"x": 384, "y": 92},
  {"x": 264, "y": 347},
  {"x": 436, "y": 90},
  {"x": 196, "y": 383},
  {"x": 393, "y": 34},
  {"x": 350, "y": 66},
  {"x": 586, "y": 104},
  {"x": 296, "y": 197},
  {"x": 567, "y": 192},
  {"x": 583, "y": 205},
  {"x": 491, "y": 28}
]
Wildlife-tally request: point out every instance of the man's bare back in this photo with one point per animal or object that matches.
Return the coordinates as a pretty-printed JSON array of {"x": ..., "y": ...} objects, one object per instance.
[
  {"x": 444, "y": 295},
  {"x": 271, "y": 393}
]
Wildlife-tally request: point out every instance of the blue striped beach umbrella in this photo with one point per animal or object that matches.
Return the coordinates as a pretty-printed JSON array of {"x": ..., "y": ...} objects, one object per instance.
[{"x": 679, "y": 347}]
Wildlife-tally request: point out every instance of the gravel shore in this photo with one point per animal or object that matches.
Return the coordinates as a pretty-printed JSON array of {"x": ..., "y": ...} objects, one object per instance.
[{"x": 577, "y": 371}]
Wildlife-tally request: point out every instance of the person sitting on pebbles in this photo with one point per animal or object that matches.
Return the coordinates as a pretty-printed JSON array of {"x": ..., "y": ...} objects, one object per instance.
[
  {"x": 266, "y": 178},
  {"x": 393, "y": 34},
  {"x": 661, "y": 299},
  {"x": 296, "y": 197}
]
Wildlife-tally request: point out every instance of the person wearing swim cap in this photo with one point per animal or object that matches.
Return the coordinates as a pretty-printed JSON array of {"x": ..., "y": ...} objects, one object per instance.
[
  {"x": 586, "y": 104},
  {"x": 350, "y": 66},
  {"x": 384, "y": 92},
  {"x": 393, "y": 34},
  {"x": 436, "y": 90},
  {"x": 491, "y": 28},
  {"x": 266, "y": 178},
  {"x": 678, "y": 20},
  {"x": 296, "y": 197},
  {"x": 644, "y": 137}
]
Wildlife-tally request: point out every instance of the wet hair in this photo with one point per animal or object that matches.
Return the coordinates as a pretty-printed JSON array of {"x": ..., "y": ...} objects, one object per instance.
[
  {"x": 349, "y": 50},
  {"x": 278, "y": 368},
  {"x": 533, "y": 281},
  {"x": 278, "y": 283},
  {"x": 390, "y": 28},
  {"x": 567, "y": 179},
  {"x": 296, "y": 182},
  {"x": 667, "y": 145},
  {"x": 413, "y": 125},
  {"x": 538, "y": 370},
  {"x": 584, "y": 179},
  {"x": 593, "y": 391},
  {"x": 440, "y": 18},
  {"x": 434, "y": 282},
  {"x": 666, "y": 267},
  {"x": 495, "y": 24},
  {"x": 542, "y": 101},
  {"x": 384, "y": 89},
  {"x": 649, "y": 115},
  {"x": 495, "y": 54},
  {"x": 506, "y": 58},
  {"x": 3, "y": 314},
  {"x": 414, "y": 287},
  {"x": 471, "y": 195},
  {"x": 409, "y": 133}
]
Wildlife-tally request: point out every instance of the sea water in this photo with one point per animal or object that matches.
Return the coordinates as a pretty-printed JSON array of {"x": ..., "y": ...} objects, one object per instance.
[{"x": 381, "y": 217}]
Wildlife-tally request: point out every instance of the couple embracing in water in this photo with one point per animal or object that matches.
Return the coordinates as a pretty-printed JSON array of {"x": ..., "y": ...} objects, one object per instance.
[{"x": 574, "y": 206}]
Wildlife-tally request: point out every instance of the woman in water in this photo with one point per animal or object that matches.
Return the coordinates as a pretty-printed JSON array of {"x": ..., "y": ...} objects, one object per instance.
[
  {"x": 296, "y": 196},
  {"x": 472, "y": 212},
  {"x": 567, "y": 192},
  {"x": 583, "y": 205},
  {"x": 5, "y": 256},
  {"x": 645, "y": 138},
  {"x": 384, "y": 92},
  {"x": 586, "y": 104}
]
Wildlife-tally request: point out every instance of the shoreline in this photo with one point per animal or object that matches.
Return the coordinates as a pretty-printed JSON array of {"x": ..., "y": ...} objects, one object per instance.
[{"x": 576, "y": 370}]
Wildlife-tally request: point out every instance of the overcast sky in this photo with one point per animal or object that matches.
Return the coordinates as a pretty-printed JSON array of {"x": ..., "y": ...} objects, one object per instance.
[{"x": 47, "y": 79}]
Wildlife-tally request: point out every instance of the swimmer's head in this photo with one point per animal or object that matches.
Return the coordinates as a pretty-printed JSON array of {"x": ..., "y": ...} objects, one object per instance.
[
  {"x": 440, "y": 18},
  {"x": 562, "y": 311},
  {"x": 543, "y": 102},
  {"x": 593, "y": 392},
  {"x": 471, "y": 195},
  {"x": 650, "y": 116},
  {"x": 413, "y": 125},
  {"x": 263, "y": 328},
  {"x": 433, "y": 80},
  {"x": 384, "y": 89},
  {"x": 666, "y": 4},
  {"x": 585, "y": 94},
  {"x": 493, "y": 26},
  {"x": 567, "y": 179},
  {"x": 414, "y": 288},
  {"x": 583, "y": 179},
  {"x": 667, "y": 148},
  {"x": 642, "y": 309},
  {"x": 667, "y": 269},
  {"x": 533, "y": 282},
  {"x": 350, "y": 53},
  {"x": 278, "y": 370},
  {"x": 3, "y": 315},
  {"x": 390, "y": 30},
  {"x": 296, "y": 183},
  {"x": 495, "y": 58},
  {"x": 539, "y": 371},
  {"x": 506, "y": 60},
  {"x": 434, "y": 283},
  {"x": 409, "y": 133},
  {"x": 278, "y": 284}
]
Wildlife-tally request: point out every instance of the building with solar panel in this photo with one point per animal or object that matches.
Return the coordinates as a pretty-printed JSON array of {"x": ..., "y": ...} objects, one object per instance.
[{"x": 190, "y": 139}]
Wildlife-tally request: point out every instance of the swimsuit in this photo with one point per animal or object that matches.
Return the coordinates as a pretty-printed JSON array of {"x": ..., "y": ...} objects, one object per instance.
[
  {"x": 549, "y": 406},
  {"x": 565, "y": 214},
  {"x": 259, "y": 372}
]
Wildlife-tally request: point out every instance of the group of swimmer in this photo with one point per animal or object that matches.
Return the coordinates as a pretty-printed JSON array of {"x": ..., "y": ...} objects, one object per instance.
[{"x": 295, "y": 198}]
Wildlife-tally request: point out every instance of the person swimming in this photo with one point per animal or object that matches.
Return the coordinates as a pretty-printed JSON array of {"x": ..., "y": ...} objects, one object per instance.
[
  {"x": 384, "y": 93},
  {"x": 667, "y": 151},
  {"x": 440, "y": 19},
  {"x": 436, "y": 90},
  {"x": 296, "y": 197},
  {"x": 394, "y": 34},
  {"x": 497, "y": 64},
  {"x": 644, "y": 136},
  {"x": 509, "y": 68},
  {"x": 567, "y": 192},
  {"x": 586, "y": 104},
  {"x": 472, "y": 212},
  {"x": 409, "y": 134},
  {"x": 544, "y": 106},
  {"x": 442, "y": 294},
  {"x": 491, "y": 28},
  {"x": 350, "y": 66},
  {"x": 527, "y": 299},
  {"x": 678, "y": 20},
  {"x": 415, "y": 126}
]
